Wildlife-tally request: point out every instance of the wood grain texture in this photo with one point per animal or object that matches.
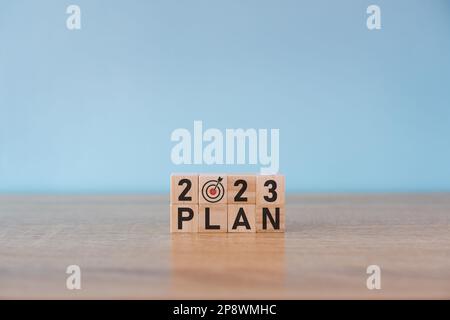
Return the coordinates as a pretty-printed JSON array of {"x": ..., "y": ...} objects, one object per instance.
[{"x": 125, "y": 250}]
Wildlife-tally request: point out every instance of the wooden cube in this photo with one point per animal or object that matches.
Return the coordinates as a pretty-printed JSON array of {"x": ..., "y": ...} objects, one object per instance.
[
  {"x": 241, "y": 218},
  {"x": 212, "y": 189},
  {"x": 184, "y": 189},
  {"x": 241, "y": 189},
  {"x": 270, "y": 218},
  {"x": 270, "y": 190},
  {"x": 212, "y": 218},
  {"x": 183, "y": 218}
]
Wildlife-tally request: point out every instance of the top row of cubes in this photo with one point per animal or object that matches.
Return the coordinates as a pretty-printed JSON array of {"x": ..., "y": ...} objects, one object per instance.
[{"x": 227, "y": 189}]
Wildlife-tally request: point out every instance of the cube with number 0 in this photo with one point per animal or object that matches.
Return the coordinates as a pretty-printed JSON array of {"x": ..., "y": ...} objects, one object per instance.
[{"x": 212, "y": 189}]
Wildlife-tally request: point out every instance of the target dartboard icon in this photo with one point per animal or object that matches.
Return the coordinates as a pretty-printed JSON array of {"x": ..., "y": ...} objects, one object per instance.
[{"x": 213, "y": 190}]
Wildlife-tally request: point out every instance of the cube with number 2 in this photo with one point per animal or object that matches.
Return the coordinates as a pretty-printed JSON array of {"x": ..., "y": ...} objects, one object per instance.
[{"x": 184, "y": 189}]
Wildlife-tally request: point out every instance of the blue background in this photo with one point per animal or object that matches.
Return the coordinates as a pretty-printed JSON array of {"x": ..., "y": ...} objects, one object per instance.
[{"x": 92, "y": 110}]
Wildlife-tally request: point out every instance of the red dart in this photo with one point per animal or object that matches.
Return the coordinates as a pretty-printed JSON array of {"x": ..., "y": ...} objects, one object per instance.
[{"x": 214, "y": 190}]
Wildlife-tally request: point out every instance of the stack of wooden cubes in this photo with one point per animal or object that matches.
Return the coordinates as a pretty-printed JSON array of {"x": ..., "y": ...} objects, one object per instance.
[{"x": 227, "y": 203}]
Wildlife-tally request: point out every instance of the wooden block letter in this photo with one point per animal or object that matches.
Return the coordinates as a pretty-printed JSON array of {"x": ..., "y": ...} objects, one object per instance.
[
  {"x": 183, "y": 218},
  {"x": 241, "y": 218},
  {"x": 270, "y": 218},
  {"x": 270, "y": 190},
  {"x": 241, "y": 189},
  {"x": 184, "y": 188},
  {"x": 212, "y": 218},
  {"x": 212, "y": 189}
]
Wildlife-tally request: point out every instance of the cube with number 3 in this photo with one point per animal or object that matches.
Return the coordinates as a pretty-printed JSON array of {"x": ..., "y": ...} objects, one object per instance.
[{"x": 270, "y": 190}]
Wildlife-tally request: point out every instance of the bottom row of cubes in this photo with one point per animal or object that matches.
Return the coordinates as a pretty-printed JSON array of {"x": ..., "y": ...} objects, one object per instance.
[{"x": 227, "y": 218}]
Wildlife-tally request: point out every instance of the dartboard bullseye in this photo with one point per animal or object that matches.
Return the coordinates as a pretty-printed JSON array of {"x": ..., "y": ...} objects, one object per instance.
[{"x": 213, "y": 190}]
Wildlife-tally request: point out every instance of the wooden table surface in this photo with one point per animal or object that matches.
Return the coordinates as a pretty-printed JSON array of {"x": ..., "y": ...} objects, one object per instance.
[{"x": 124, "y": 249}]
